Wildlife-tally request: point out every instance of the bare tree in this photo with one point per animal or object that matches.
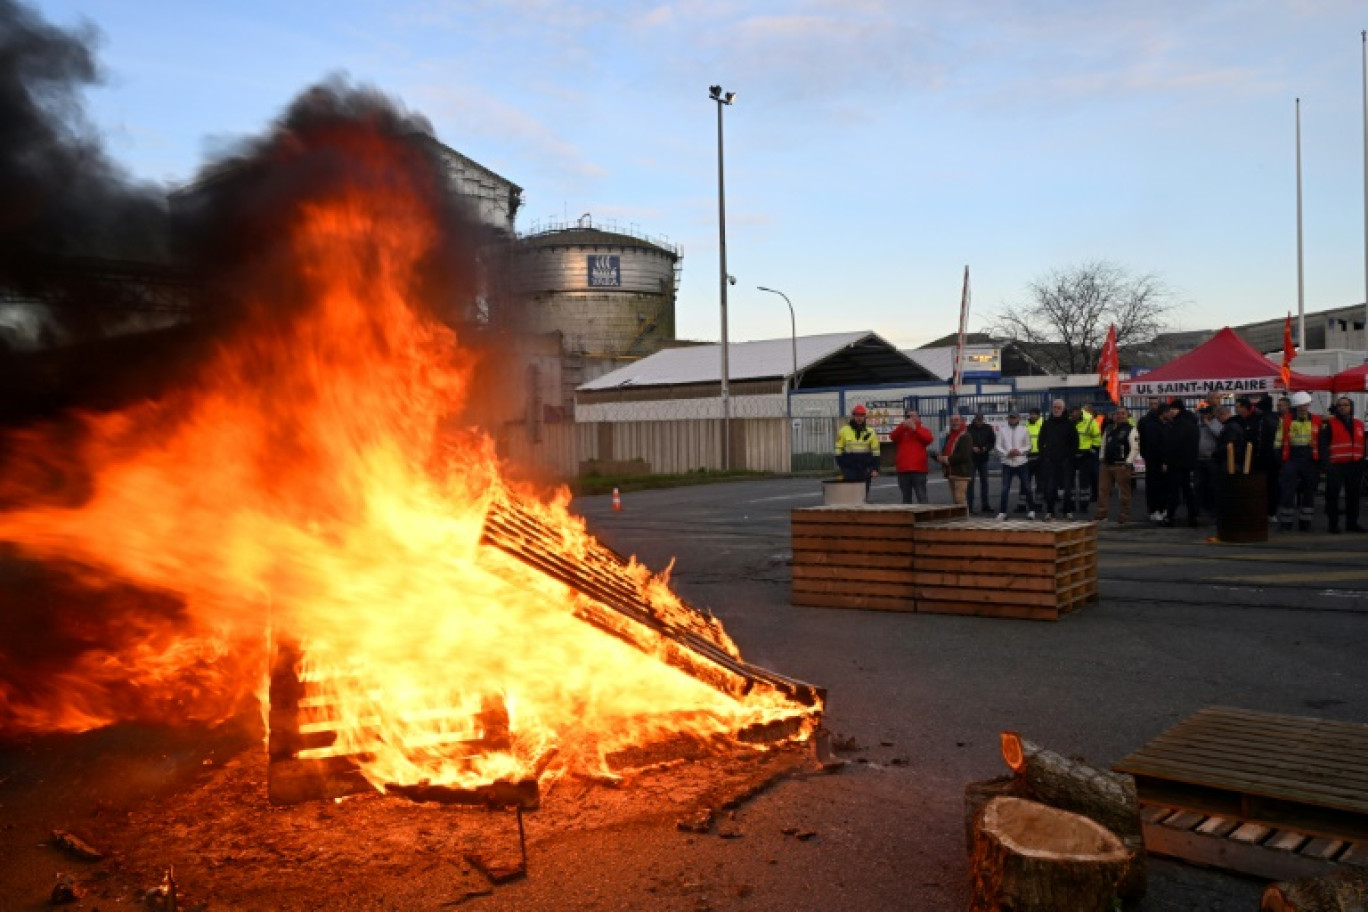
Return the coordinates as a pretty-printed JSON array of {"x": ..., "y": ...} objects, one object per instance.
[{"x": 1063, "y": 324}]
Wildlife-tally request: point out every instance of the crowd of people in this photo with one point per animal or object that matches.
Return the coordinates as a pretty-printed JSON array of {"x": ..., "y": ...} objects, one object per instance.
[{"x": 1070, "y": 463}]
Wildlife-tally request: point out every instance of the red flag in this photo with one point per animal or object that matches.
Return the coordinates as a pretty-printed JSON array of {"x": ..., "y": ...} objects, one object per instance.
[
  {"x": 1109, "y": 367},
  {"x": 1289, "y": 352}
]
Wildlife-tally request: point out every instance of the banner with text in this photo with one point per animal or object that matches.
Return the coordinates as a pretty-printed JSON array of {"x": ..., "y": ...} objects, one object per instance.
[{"x": 1243, "y": 385}]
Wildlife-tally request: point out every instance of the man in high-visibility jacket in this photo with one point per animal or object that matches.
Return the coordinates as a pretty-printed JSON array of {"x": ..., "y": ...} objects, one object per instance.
[
  {"x": 857, "y": 449},
  {"x": 1298, "y": 440},
  {"x": 1034, "y": 421},
  {"x": 1089, "y": 443},
  {"x": 1342, "y": 454}
]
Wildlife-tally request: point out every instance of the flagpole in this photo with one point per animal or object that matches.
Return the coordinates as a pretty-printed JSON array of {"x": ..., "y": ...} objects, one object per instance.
[
  {"x": 1364, "y": 35},
  {"x": 1301, "y": 280},
  {"x": 957, "y": 374}
]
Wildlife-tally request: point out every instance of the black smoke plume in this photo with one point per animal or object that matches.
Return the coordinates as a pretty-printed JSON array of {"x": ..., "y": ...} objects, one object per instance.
[{"x": 65, "y": 201}]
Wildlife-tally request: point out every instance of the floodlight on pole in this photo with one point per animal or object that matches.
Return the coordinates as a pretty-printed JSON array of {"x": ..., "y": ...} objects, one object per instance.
[
  {"x": 793, "y": 328},
  {"x": 723, "y": 98}
]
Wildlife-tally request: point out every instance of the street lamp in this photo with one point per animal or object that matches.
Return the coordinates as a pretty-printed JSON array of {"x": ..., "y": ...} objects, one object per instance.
[
  {"x": 723, "y": 98},
  {"x": 793, "y": 326}
]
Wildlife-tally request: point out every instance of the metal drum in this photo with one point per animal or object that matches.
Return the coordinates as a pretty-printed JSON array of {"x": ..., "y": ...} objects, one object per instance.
[
  {"x": 838, "y": 493},
  {"x": 1242, "y": 508}
]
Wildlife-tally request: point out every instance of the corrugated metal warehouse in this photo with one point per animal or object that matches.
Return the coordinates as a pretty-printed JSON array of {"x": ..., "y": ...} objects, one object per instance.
[{"x": 666, "y": 410}]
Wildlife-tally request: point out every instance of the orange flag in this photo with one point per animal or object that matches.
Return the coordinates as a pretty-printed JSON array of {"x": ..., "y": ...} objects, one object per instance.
[
  {"x": 1289, "y": 352},
  {"x": 1109, "y": 367}
]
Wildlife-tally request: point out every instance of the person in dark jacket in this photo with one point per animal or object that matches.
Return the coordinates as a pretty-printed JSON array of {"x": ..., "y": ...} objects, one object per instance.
[
  {"x": 982, "y": 439},
  {"x": 1342, "y": 447},
  {"x": 1227, "y": 457},
  {"x": 1150, "y": 430},
  {"x": 1058, "y": 443},
  {"x": 1180, "y": 458},
  {"x": 957, "y": 458}
]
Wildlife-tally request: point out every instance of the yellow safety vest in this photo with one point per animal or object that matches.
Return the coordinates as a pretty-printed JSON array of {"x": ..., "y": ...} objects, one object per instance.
[
  {"x": 847, "y": 441},
  {"x": 1033, "y": 428},
  {"x": 1089, "y": 437}
]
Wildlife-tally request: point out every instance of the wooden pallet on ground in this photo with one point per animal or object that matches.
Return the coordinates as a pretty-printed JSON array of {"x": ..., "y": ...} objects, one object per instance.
[
  {"x": 1246, "y": 848},
  {"x": 1263, "y": 781},
  {"x": 913, "y": 558}
]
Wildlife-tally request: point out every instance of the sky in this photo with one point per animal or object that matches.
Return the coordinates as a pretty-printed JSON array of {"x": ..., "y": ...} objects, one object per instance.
[{"x": 875, "y": 147}]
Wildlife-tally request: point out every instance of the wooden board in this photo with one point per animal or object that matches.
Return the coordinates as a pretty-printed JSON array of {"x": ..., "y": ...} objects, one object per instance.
[
  {"x": 1310, "y": 775},
  {"x": 1243, "y": 847}
]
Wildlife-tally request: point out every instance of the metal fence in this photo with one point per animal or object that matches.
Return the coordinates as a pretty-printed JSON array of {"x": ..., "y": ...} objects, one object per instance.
[{"x": 814, "y": 437}]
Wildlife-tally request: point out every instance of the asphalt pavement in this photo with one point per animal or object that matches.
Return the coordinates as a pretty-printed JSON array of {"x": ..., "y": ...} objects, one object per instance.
[{"x": 1182, "y": 623}]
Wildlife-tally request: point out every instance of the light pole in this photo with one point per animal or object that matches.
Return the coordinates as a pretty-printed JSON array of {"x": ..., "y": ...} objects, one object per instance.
[
  {"x": 723, "y": 98},
  {"x": 793, "y": 327}
]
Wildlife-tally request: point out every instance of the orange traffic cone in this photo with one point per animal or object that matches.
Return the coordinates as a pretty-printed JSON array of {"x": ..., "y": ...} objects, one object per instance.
[{"x": 617, "y": 500}]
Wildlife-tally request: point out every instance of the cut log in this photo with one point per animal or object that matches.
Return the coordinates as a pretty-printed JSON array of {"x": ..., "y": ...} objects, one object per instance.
[
  {"x": 1345, "y": 890},
  {"x": 1072, "y": 785},
  {"x": 1032, "y": 858}
]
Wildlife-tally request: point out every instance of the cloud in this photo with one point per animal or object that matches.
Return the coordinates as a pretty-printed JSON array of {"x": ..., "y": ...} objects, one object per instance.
[{"x": 468, "y": 112}]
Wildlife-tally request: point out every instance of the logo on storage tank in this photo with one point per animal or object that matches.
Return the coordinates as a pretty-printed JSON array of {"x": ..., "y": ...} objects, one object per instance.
[{"x": 605, "y": 271}]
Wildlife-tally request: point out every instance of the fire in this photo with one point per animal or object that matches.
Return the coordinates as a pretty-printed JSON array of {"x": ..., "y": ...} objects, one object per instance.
[{"x": 314, "y": 485}]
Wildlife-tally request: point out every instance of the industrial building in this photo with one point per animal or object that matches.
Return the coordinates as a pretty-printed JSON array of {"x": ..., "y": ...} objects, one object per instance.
[
  {"x": 787, "y": 396},
  {"x": 1339, "y": 328}
]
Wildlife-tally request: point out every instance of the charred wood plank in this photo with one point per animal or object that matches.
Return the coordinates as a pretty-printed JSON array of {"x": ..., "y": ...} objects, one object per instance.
[{"x": 523, "y": 793}]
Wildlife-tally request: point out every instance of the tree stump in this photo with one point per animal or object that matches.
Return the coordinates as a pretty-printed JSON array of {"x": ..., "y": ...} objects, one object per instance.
[
  {"x": 1029, "y": 857},
  {"x": 978, "y": 794},
  {"x": 1100, "y": 795},
  {"x": 1345, "y": 890}
]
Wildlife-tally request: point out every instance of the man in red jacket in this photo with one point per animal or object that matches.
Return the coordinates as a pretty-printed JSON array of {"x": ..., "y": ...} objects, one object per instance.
[{"x": 912, "y": 438}]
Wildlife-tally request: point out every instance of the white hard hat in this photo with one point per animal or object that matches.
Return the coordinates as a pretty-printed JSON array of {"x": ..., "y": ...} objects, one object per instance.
[{"x": 1300, "y": 398}]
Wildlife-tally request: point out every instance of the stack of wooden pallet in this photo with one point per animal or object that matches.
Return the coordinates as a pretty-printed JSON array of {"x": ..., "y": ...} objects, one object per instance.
[
  {"x": 933, "y": 559},
  {"x": 1022, "y": 570},
  {"x": 860, "y": 557}
]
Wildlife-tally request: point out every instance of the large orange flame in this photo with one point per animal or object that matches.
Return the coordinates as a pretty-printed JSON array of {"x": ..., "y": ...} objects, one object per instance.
[{"x": 313, "y": 486}]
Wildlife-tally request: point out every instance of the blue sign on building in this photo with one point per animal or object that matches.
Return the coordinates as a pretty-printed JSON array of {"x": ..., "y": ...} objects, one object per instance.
[{"x": 605, "y": 271}]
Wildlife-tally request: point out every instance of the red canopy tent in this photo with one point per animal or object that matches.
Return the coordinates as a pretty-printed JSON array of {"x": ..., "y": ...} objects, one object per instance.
[
  {"x": 1352, "y": 380},
  {"x": 1225, "y": 364}
]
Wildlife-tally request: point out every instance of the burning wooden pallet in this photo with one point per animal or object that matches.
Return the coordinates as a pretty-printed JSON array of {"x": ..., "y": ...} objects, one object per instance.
[
  {"x": 1274, "y": 795},
  {"x": 909, "y": 558},
  {"x": 305, "y": 764}
]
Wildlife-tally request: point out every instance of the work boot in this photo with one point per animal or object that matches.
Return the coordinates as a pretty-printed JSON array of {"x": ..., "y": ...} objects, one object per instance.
[{"x": 1305, "y": 526}]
